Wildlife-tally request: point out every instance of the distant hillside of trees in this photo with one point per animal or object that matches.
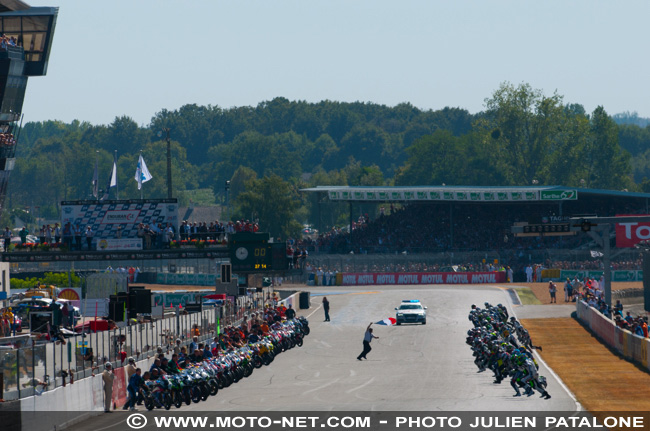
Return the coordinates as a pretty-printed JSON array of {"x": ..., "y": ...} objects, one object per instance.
[{"x": 522, "y": 137}]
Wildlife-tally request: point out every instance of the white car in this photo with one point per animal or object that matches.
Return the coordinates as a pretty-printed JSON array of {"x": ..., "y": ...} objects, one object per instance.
[{"x": 411, "y": 311}]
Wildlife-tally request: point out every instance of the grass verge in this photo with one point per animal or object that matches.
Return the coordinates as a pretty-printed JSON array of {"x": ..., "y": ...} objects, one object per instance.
[{"x": 527, "y": 297}]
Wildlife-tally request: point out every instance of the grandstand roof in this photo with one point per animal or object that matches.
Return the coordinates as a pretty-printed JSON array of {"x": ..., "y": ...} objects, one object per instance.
[
  {"x": 11, "y": 5},
  {"x": 465, "y": 193}
]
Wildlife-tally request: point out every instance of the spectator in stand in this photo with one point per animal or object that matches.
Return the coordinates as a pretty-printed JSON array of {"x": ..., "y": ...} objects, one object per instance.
[
  {"x": 67, "y": 236},
  {"x": 57, "y": 233},
  {"x": 41, "y": 235},
  {"x": 7, "y": 238},
  {"x": 48, "y": 234},
  {"x": 23, "y": 235},
  {"x": 89, "y": 237},
  {"x": 77, "y": 236}
]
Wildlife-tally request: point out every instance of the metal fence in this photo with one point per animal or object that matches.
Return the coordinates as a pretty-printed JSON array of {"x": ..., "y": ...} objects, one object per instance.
[{"x": 56, "y": 363}]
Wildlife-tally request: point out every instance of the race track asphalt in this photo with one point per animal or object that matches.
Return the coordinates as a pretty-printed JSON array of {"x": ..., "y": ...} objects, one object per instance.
[{"x": 411, "y": 367}]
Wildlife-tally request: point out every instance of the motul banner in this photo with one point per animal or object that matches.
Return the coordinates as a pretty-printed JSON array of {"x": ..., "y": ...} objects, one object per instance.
[
  {"x": 357, "y": 279},
  {"x": 630, "y": 233}
]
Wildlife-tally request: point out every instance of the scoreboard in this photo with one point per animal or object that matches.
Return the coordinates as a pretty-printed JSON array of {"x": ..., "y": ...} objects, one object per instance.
[
  {"x": 543, "y": 229},
  {"x": 252, "y": 252},
  {"x": 547, "y": 228}
]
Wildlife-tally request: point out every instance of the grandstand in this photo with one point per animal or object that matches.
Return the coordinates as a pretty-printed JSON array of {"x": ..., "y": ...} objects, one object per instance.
[
  {"x": 475, "y": 221},
  {"x": 25, "y": 53}
]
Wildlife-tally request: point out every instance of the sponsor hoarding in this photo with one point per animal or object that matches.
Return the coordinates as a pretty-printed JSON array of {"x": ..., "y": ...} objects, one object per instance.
[
  {"x": 618, "y": 275},
  {"x": 111, "y": 244},
  {"x": 558, "y": 195},
  {"x": 629, "y": 234},
  {"x": 107, "y": 217},
  {"x": 356, "y": 279}
]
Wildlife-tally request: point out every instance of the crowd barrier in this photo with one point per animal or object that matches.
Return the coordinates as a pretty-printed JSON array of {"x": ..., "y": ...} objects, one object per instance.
[
  {"x": 629, "y": 345},
  {"x": 383, "y": 278}
]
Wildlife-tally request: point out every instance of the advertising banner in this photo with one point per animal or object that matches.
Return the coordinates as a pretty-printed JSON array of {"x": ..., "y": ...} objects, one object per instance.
[
  {"x": 186, "y": 279},
  {"x": 119, "y": 386},
  {"x": 357, "y": 279},
  {"x": 107, "y": 217},
  {"x": 110, "y": 244},
  {"x": 444, "y": 194},
  {"x": 631, "y": 233},
  {"x": 620, "y": 275},
  {"x": 558, "y": 195},
  {"x": 169, "y": 299}
]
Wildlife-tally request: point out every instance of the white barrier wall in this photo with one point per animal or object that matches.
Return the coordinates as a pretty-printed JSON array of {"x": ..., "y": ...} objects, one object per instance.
[
  {"x": 72, "y": 403},
  {"x": 631, "y": 346},
  {"x": 83, "y": 395}
]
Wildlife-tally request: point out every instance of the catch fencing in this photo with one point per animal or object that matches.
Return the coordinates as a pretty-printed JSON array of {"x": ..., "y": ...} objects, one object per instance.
[{"x": 47, "y": 365}]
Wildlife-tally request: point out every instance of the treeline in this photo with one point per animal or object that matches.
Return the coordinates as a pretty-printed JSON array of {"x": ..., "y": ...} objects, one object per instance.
[{"x": 522, "y": 138}]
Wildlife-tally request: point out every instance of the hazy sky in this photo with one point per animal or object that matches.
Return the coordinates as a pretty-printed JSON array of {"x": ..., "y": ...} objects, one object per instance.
[{"x": 137, "y": 57}]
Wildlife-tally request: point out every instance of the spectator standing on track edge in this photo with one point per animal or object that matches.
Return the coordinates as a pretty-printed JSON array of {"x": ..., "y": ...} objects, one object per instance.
[
  {"x": 326, "y": 307},
  {"x": 529, "y": 274},
  {"x": 551, "y": 290},
  {"x": 290, "y": 313},
  {"x": 108, "y": 377},
  {"x": 367, "y": 338}
]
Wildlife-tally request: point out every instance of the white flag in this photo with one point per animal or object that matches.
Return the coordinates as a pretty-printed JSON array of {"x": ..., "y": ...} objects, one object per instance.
[
  {"x": 142, "y": 174},
  {"x": 113, "y": 182},
  {"x": 595, "y": 254}
]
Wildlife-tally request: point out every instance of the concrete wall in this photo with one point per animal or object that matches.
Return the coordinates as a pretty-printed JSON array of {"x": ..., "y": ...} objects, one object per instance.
[
  {"x": 632, "y": 347},
  {"x": 72, "y": 403}
]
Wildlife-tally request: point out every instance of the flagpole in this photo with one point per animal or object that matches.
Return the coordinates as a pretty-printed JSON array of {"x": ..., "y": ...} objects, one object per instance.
[
  {"x": 96, "y": 176},
  {"x": 97, "y": 169},
  {"x": 117, "y": 189}
]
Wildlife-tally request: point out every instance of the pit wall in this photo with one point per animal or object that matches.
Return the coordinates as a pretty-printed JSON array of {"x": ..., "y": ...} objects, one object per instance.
[
  {"x": 630, "y": 346},
  {"x": 382, "y": 278},
  {"x": 75, "y": 402}
]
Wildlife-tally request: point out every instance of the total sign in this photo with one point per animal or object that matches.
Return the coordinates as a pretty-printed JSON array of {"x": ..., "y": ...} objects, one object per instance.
[{"x": 630, "y": 233}]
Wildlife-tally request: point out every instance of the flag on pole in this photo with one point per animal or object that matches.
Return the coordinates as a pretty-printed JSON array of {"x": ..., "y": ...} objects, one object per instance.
[
  {"x": 387, "y": 322},
  {"x": 142, "y": 174},
  {"x": 114, "y": 175},
  {"x": 112, "y": 182},
  {"x": 96, "y": 181}
]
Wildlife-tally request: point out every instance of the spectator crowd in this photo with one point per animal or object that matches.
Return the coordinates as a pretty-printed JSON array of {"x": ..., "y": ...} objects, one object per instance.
[{"x": 592, "y": 293}]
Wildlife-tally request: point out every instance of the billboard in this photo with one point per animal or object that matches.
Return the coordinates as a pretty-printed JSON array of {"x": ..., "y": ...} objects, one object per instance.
[
  {"x": 629, "y": 234},
  {"x": 105, "y": 217},
  {"x": 558, "y": 195}
]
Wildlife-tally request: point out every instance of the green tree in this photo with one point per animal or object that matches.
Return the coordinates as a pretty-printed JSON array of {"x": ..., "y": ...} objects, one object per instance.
[
  {"x": 524, "y": 124},
  {"x": 609, "y": 166},
  {"x": 273, "y": 202},
  {"x": 239, "y": 180}
]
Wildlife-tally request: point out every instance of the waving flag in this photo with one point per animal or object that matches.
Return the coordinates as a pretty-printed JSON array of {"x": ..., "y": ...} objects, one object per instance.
[
  {"x": 142, "y": 174},
  {"x": 387, "y": 322},
  {"x": 112, "y": 182}
]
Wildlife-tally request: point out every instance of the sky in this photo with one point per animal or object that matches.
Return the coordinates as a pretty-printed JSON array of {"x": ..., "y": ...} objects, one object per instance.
[{"x": 136, "y": 58}]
